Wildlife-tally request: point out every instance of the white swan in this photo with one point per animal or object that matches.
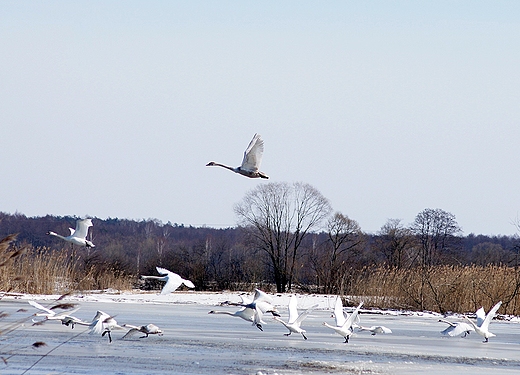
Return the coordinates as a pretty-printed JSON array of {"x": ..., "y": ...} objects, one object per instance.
[
  {"x": 66, "y": 318},
  {"x": 252, "y": 310},
  {"x": 346, "y": 329},
  {"x": 456, "y": 328},
  {"x": 295, "y": 319},
  {"x": 77, "y": 236},
  {"x": 149, "y": 329},
  {"x": 251, "y": 162},
  {"x": 173, "y": 281},
  {"x": 103, "y": 324},
  {"x": 375, "y": 329},
  {"x": 246, "y": 313},
  {"x": 483, "y": 329}
]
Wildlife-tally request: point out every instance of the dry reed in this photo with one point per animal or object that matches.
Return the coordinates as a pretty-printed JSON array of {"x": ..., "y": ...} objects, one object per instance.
[{"x": 442, "y": 288}]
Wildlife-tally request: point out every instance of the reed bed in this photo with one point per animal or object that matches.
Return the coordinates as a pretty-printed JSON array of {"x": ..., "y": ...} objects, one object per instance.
[
  {"x": 45, "y": 271},
  {"x": 442, "y": 289}
]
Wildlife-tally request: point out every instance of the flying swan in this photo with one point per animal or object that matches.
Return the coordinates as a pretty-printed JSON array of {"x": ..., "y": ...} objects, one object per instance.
[
  {"x": 344, "y": 327},
  {"x": 483, "y": 328},
  {"x": 252, "y": 310},
  {"x": 66, "y": 318},
  {"x": 77, "y": 236},
  {"x": 252, "y": 159},
  {"x": 103, "y": 324},
  {"x": 375, "y": 329},
  {"x": 173, "y": 281},
  {"x": 456, "y": 328},
  {"x": 295, "y": 319},
  {"x": 149, "y": 329}
]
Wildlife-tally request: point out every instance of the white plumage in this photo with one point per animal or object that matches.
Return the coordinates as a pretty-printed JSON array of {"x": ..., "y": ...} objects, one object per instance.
[
  {"x": 250, "y": 166},
  {"x": 173, "y": 281}
]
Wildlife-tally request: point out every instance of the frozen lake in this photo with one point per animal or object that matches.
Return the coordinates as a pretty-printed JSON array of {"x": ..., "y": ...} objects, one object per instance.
[{"x": 197, "y": 343}]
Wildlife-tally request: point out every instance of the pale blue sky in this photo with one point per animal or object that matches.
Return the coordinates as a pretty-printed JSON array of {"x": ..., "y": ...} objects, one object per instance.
[{"x": 113, "y": 108}]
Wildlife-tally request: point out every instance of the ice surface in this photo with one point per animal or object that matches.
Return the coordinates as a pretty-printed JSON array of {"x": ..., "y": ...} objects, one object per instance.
[{"x": 195, "y": 342}]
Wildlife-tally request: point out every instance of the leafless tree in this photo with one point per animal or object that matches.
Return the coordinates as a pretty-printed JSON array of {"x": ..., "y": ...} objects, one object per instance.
[
  {"x": 436, "y": 231},
  {"x": 332, "y": 259},
  {"x": 278, "y": 217},
  {"x": 395, "y": 242}
]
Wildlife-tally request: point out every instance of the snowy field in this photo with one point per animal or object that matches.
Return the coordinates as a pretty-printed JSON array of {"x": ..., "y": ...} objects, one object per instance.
[{"x": 195, "y": 342}]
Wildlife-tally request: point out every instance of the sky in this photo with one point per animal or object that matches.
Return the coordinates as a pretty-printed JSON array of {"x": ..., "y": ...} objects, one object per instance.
[{"x": 112, "y": 109}]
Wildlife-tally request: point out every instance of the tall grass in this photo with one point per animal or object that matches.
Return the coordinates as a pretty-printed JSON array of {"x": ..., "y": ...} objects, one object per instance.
[
  {"x": 440, "y": 288},
  {"x": 44, "y": 271}
]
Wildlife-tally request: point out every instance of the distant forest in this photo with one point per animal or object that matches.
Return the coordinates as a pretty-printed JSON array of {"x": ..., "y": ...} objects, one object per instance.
[{"x": 218, "y": 259}]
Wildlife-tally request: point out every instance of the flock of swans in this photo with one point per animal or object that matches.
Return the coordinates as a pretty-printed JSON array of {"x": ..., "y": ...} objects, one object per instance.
[
  {"x": 254, "y": 311},
  {"x": 251, "y": 310}
]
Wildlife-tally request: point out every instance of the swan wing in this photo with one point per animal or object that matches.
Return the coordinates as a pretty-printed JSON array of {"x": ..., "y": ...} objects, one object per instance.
[
  {"x": 82, "y": 228},
  {"x": 338, "y": 312},
  {"x": 173, "y": 283},
  {"x": 304, "y": 314},
  {"x": 163, "y": 271},
  {"x": 188, "y": 283},
  {"x": 42, "y": 308},
  {"x": 481, "y": 316},
  {"x": 261, "y": 296},
  {"x": 352, "y": 318},
  {"x": 253, "y": 154},
  {"x": 490, "y": 315},
  {"x": 293, "y": 309}
]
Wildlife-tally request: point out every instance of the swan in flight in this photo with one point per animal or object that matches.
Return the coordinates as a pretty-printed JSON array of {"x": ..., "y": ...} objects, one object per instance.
[
  {"x": 149, "y": 329},
  {"x": 103, "y": 324},
  {"x": 252, "y": 310},
  {"x": 173, "y": 281},
  {"x": 456, "y": 328},
  {"x": 375, "y": 329},
  {"x": 66, "y": 318},
  {"x": 295, "y": 319},
  {"x": 252, "y": 159},
  {"x": 77, "y": 236},
  {"x": 483, "y": 328},
  {"x": 345, "y": 330}
]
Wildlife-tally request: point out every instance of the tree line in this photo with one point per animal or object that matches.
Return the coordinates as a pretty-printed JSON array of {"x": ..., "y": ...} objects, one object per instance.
[{"x": 287, "y": 235}]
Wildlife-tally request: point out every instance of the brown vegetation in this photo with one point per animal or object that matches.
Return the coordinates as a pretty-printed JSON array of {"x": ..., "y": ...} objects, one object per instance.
[
  {"x": 440, "y": 288},
  {"x": 437, "y": 288},
  {"x": 44, "y": 271}
]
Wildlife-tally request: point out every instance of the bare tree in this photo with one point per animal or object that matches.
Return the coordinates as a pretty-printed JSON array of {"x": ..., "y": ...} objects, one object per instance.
[
  {"x": 395, "y": 242},
  {"x": 332, "y": 259},
  {"x": 436, "y": 230},
  {"x": 278, "y": 217}
]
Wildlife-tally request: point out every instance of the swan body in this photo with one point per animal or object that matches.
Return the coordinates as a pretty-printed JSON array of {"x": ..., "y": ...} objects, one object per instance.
[
  {"x": 346, "y": 329},
  {"x": 376, "y": 329},
  {"x": 456, "y": 328},
  {"x": 66, "y": 319},
  {"x": 103, "y": 324},
  {"x": 250, "y": 166},
  {"x": 295, "y": 319},
  {"x": 149, "y": 329},
  {"x": 77, "y": 236},
  {"x": 173, "y": 281},
  {"x": 483, "y": 329}
]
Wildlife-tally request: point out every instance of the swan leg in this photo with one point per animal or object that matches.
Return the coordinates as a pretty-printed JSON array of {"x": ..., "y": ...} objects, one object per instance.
[
  {"x": 145, "y": 336},
  {"x": 259, "y": 326},
  {"x": 304, "y": 336},
  {"x": 486, "y": 340},
  {"x": 287, "y": 334},
  {"x": 107, "y": 332},
  {"x": 346, "y": 339}
]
